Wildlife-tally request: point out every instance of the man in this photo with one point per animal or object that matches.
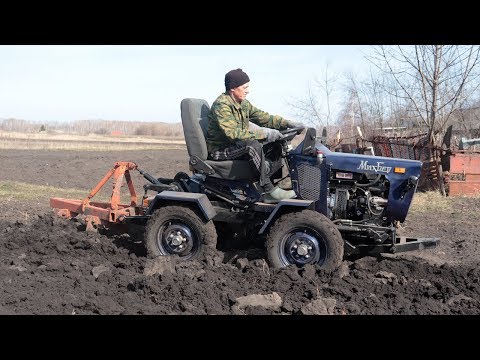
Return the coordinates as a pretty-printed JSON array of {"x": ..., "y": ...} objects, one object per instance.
[{"x": 229, "y": 136}]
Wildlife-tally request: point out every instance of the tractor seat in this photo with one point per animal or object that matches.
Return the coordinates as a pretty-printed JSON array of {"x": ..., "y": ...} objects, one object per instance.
[{"x": 195, "y": 123}]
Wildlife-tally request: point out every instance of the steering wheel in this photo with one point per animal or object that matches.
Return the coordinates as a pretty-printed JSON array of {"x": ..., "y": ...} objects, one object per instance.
[{"x": 289, "y": 134}]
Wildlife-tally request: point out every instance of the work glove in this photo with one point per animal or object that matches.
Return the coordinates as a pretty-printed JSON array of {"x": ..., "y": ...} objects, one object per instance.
[
  {"x": 272, "y": 135},
  {"x": 294, "y": 124}
]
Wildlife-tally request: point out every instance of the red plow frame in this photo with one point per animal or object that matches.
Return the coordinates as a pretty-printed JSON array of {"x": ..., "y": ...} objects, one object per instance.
[{"x": 97, "y": 213}]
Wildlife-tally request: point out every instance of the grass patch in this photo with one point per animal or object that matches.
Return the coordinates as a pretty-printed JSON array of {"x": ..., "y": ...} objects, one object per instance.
[
  {"x": 91, "y": 137},
  {"x": 13, "y": 190},
  {"x": 433, "y": 201},
  {"x": 430, "y": 201},
  {"x": 85, "y": 146},
  {"x": 92, "y": 142}
]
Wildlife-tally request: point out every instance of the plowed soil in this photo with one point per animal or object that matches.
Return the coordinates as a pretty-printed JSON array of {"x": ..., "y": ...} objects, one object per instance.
[{"x": 49, "y": 265}]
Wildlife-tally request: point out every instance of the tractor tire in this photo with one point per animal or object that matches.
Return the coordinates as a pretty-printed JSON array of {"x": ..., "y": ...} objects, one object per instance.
[
  {"x": 305, "y": 237},
  {"x": 179, "y": 230}
]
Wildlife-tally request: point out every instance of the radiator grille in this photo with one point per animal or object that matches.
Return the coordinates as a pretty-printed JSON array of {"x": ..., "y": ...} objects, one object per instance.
[{"x": 309, "y": 181}]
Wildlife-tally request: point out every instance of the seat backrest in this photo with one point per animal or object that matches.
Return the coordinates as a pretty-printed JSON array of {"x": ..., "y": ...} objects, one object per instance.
[{"x": 195, "y": 122}]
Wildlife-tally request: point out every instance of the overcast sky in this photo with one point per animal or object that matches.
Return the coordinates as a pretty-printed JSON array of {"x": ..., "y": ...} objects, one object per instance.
[{"x": 147, "y": 82}]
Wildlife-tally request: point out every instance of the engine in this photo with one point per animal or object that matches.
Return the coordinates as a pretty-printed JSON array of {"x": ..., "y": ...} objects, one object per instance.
[{"x": 357, "y": 196}]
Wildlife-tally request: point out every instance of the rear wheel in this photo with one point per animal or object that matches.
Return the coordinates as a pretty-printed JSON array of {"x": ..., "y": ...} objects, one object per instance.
[
  {"x": 305, "y": 237},
  {"x": 178, "y": 230}
]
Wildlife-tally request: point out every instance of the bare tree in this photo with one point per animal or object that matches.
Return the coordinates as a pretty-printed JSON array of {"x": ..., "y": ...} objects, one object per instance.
[
  {"x": 353, "y": 90},
  {"x": 348, "y": 118},
  {"x": 373, "y": 100},
  {"x": 311, "y": 108},
  {"x": 434, "y": 80}
]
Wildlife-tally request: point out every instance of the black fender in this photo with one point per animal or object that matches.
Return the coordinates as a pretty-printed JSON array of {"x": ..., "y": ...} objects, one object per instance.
[
  {"x": 200, "y": 200},
  {"x": 284, "y": 206}
]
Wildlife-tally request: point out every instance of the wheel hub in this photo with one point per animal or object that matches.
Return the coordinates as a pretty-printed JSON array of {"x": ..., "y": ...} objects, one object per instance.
[
  {"x": 177, "y": 238},
  {"x": 302, "y": 248}
]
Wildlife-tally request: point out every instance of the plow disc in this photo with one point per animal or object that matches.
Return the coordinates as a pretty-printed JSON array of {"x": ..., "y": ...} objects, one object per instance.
[{"x": 103, "y": 213}]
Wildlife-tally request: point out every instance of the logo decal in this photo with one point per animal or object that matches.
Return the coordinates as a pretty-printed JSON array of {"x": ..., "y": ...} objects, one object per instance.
[{"x": 364, "y": 165}]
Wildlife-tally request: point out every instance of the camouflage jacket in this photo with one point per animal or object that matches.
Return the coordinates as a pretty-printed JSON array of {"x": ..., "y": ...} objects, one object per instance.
[{"x": 228, "y": 122}]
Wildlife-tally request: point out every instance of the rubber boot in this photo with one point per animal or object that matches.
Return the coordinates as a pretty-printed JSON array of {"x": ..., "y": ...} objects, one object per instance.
[
  {"x": 286, "y": 183},
  {"x": 278, "y": 194}
]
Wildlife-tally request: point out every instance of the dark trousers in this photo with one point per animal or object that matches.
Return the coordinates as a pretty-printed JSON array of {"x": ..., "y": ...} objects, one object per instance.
[{"x": 257, "y": 154}]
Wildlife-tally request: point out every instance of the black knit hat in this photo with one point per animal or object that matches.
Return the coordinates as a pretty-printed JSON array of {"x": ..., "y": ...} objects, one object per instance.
[{"x": 235, "y": 78}]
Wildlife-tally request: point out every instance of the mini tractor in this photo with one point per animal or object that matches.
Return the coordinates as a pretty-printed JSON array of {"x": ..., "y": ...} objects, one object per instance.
[{"x": 346, "y": 204}]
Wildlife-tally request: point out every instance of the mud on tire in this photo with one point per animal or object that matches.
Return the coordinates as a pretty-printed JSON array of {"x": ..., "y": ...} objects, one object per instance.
[
  {"x": 305, "y": 237},
  {"x": 179, "y": 230}
]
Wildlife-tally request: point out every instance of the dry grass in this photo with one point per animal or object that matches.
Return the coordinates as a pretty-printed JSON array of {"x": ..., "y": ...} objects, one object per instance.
[
  {"x": 13, "y": 190},
  {"x": 92, "y": 142},
  {"x": 434, "y": 201},
  {"x": 91, "y": 137},
  {"x": 430, "y": 201}
]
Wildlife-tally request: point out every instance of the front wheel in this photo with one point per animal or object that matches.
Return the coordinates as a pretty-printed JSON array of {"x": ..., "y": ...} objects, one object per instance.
[
  {"x": 305, "y": 237},
  {"x": 178, "y": 230}
]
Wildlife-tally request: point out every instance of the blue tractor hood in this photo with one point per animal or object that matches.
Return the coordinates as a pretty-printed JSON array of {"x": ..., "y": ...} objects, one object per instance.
[{"x": 397, "y": 171}]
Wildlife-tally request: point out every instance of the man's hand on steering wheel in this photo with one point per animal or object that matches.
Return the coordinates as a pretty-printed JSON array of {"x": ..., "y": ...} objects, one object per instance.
[
  {"x": 272, "y": 135},
  {"x": 289, "y": 134},
  {"x": 293, "y": 128}
]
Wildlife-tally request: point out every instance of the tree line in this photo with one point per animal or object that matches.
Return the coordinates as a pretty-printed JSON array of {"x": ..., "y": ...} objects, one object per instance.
[{"x": 100, "y": 127}]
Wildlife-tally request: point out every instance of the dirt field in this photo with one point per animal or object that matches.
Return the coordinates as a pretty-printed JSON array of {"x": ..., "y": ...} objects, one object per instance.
[{"x": 49, "y": 265}]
